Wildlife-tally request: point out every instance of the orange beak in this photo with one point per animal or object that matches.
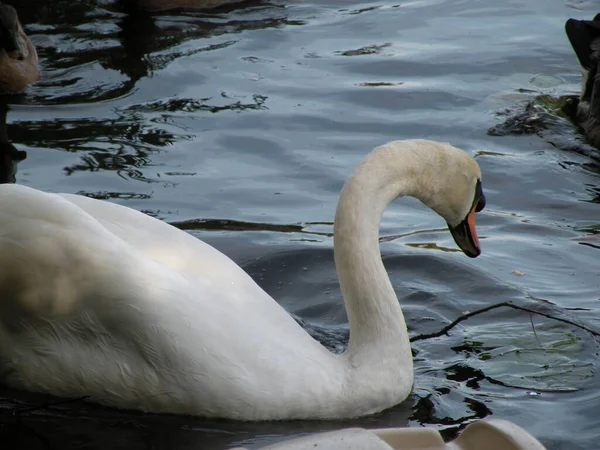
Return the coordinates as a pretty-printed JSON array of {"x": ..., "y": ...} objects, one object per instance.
[
  {"x": 471, "y": 225},
  {"x": 465, "y": 234}
]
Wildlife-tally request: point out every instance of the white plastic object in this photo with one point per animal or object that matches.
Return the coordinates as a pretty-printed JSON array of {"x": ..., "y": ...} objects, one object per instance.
[{"x": 492, "y": 434}]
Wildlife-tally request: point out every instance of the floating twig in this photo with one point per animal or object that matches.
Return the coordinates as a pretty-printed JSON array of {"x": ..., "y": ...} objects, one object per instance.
[
  {"x": 508, "y": 304},
  {"x": 533, "y": 328}
]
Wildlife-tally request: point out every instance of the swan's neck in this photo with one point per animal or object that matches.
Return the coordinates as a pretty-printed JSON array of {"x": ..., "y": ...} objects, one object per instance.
[{"x": 378, "y": 334}]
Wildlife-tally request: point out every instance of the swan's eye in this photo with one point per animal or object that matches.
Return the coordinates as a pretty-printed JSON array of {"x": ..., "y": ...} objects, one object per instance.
[{"x": 479, "y": 199}]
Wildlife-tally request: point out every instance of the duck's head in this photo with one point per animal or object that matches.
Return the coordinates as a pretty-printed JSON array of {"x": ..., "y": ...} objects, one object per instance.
[
  {"x": 10, "y": 28},
  {"x": 584, "y": 36},
  {"x": 455, "y": 192}
]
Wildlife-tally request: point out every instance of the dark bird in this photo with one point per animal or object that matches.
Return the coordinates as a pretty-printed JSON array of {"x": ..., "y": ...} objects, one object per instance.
[{"x": 584, "y": 36}]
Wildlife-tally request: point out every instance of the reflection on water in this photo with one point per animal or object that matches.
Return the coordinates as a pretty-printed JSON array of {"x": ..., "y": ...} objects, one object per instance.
[
  {"x": 239, "y": 126},
  {"x": 190, "y": 105},
  {"x": 115, "y": 145},
  {"x": 9, "y": 155},
  {"x": 82, "y": 37}
]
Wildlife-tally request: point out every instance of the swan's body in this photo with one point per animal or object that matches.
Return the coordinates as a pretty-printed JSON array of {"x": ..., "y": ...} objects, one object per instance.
[
  {"x": 18, "y": 58},
  {"x": 584, "y": 36},
  {"x": 100, "y": 300},
  {"x": 166, "y": 5}
]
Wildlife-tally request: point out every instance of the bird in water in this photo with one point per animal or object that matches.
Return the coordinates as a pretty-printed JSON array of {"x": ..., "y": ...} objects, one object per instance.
[
  {"x": 102, "y": 301},
  {"x": 584, "y": 36},
  {"x": 18, "y": 57}
]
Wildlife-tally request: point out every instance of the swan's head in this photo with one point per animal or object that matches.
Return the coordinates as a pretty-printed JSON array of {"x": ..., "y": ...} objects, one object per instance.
[
  {"x": 450, "y": 184},
  {"x": 9, "y": 32},
  {"x": 443, "y": 177}
]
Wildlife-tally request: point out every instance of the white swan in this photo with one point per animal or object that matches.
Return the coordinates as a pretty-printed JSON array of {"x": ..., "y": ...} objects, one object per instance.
[{"x": 100, "y": 300}]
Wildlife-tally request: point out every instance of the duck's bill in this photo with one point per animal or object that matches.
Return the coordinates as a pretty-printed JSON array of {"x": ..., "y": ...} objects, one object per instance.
[
  {"x": 13, "y": 49},
  {"x": 15, "y": 54},
  {"x": 465, "y": 235},
  {"x": 12, "y": 46}
]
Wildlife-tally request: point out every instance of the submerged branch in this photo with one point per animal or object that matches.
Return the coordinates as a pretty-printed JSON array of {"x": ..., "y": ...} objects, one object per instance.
[{"x": 465, "y": 316}]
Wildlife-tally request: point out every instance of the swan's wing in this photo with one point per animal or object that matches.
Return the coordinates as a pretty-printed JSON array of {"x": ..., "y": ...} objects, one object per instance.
[
  {"x": 45, "y": 234},
  {"x": 163, "y": 242},
  {"x": 52, "y": 256},
  {"x": 65, "y": 253},
  {"x": 213, "y": 272},
  {"x": 84, "y": 312}
]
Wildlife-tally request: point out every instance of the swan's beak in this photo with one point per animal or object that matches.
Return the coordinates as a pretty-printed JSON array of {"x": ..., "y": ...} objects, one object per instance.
[{"x": 465, "y": 235}]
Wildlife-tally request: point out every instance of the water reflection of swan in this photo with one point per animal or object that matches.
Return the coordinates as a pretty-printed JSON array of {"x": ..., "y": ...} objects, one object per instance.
[
  {"x": 18, "y": 58},
  {"x": 104, "y": 301}
]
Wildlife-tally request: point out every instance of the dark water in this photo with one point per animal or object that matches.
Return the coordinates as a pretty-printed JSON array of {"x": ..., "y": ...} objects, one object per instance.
[{"x": 241, "y": 125}]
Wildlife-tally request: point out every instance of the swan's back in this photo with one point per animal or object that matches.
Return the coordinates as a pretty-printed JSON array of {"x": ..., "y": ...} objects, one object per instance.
[
  {"x": 133, "y": 312},
  {"x": 45, "y": 262},
  {"x": 162, "y": 242}
]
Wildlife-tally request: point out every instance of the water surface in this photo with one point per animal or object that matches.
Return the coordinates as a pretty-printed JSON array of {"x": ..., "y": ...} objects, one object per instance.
[{"x": 240, "y": 126}]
